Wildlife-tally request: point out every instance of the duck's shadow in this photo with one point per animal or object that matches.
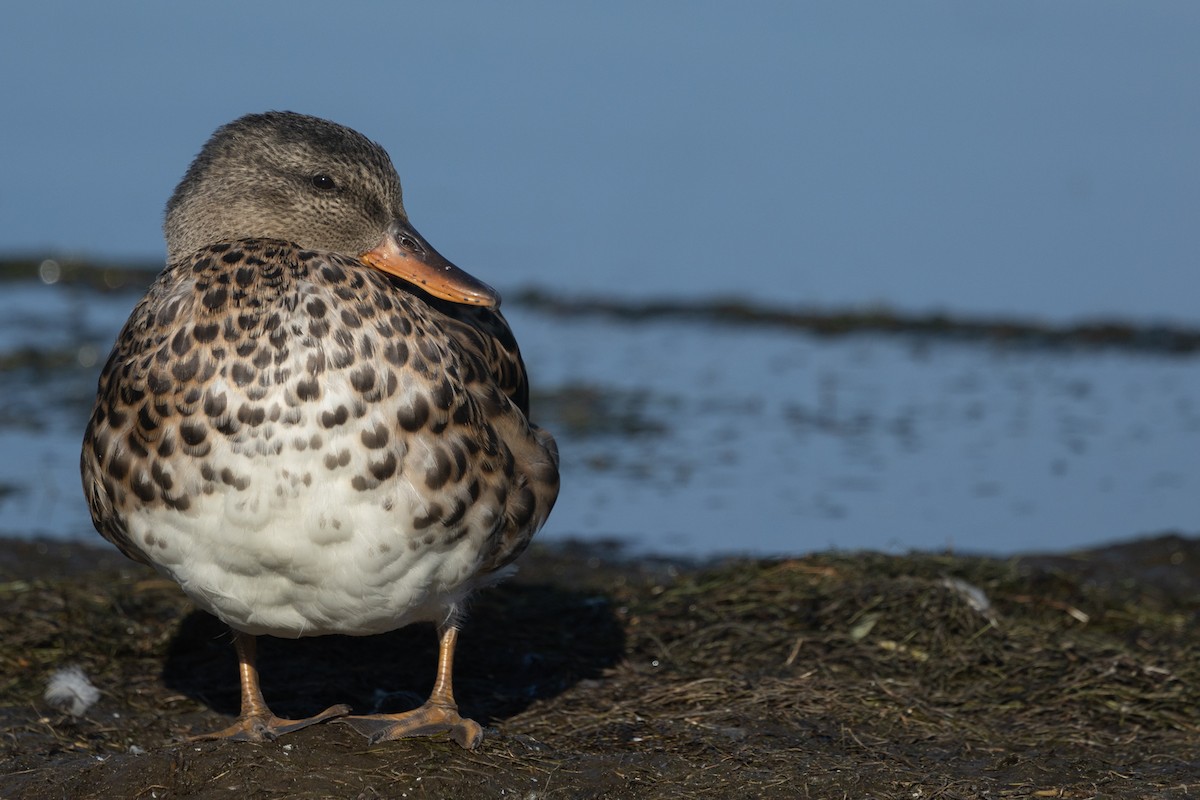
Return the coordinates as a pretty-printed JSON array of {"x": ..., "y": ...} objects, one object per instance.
[{"x": 519, "y": 643}]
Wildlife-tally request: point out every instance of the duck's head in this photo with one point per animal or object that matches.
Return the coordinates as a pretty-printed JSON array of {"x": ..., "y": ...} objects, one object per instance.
[{"x": 320, "y": 185}]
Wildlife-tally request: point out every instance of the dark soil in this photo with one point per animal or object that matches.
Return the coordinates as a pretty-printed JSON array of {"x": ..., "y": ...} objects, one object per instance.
[{"x": 846, "y": 675}]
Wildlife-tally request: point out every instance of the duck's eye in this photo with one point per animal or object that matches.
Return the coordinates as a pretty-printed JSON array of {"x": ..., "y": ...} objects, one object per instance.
[{"x": 323, "y": 182}]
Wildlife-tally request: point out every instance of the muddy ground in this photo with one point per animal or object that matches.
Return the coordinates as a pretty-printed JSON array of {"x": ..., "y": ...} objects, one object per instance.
[{"x": 830, "y": 676}]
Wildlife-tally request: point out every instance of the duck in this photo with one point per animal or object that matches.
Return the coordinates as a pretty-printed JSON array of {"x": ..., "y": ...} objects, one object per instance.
[{"x": 314, "y": 422}]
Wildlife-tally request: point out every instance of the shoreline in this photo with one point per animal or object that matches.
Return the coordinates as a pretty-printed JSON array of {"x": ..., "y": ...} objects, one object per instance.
[{"x": 859, "y": 673}]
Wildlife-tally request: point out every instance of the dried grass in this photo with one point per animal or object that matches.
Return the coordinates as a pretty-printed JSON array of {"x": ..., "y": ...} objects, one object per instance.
[{"x": 836, "y": 675}]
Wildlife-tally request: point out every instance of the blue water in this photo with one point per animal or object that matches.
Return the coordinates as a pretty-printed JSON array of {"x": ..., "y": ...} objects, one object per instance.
[{"x": 701, "y": 439}]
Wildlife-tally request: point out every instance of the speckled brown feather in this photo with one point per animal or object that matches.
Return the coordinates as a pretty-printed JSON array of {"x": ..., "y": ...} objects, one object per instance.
[
  {"x": 268, "y": 359},
  {"x": 233, "y": 312}
]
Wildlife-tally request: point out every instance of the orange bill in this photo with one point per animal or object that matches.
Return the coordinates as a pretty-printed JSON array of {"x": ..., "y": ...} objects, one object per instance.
[{"x": 405, "y": 254}]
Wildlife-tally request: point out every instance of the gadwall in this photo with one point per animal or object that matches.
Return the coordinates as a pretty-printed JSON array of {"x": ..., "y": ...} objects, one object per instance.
[{"x": 314, "y": 422}]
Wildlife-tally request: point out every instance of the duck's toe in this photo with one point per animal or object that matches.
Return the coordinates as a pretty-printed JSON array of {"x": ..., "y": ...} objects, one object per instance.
[
  {"x": 430, "y": 719},
  {"x": 266, "y": 727}
]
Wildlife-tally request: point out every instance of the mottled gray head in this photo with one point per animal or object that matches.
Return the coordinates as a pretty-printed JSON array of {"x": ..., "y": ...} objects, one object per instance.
[
  {"x": 285, "y": 176},
  {"x": 316, "y": 184}
]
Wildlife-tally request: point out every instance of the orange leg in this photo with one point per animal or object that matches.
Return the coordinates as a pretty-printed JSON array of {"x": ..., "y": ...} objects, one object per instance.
[
  {"x": 256, "y": 723},
  {"x": 438, "y": 715}
]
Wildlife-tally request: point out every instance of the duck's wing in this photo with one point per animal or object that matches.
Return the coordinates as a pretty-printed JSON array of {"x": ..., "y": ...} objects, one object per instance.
[
  {"x": 485, "y": 334},
  {"x": 123, "y": 429}
]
